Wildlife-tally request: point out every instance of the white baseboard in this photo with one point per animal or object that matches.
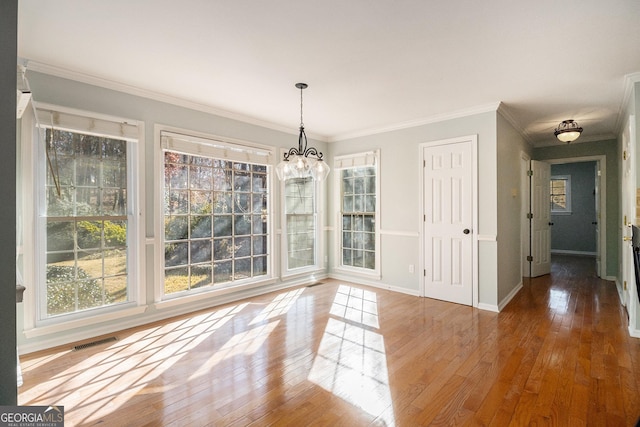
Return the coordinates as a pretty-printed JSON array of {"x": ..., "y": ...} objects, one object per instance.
[
  {"x": 568, "y": 252},
  {"x": 510, "y": 296},
  {"x": 374, "y": 284},
  {"x": 488, "y": 307},
  {"x": 635, "y": 333}
]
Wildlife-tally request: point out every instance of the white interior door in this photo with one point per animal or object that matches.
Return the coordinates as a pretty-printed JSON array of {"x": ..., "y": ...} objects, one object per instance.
[
  {"x": 596, "y": 221},
  {"x": 448, "y": 220},
  {"x": 541, "y": 222}
]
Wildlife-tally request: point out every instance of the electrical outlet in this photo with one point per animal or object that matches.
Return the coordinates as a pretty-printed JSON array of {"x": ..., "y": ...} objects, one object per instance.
[{"x": 411, "y": 268}]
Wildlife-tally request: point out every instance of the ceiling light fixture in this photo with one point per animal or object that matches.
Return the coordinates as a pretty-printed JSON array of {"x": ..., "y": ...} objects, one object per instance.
[
  {"x": 303, "y": 161},
  {"x": 568, "y": 131}
]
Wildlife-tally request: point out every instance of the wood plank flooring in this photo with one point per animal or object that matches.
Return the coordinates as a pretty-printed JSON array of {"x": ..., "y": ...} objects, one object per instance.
[{"x": 342, "y": 354}]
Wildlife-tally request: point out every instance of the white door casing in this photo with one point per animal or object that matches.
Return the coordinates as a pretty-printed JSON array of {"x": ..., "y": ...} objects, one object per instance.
[
  {"x": 628, "y": 218},
  {"x": 449, "y": 220},
  {"x": 541, "y": 210}
]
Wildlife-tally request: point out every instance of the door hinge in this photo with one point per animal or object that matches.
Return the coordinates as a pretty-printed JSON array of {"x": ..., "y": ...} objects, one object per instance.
[
  {"x": 529, "y": 173},
  {"x": 529, "y": 258},
  {"x": 425, "y": 218},
  {"x": 529, "y": 215},
  {"x": 624, "y": 155},
  {"x": 424, "y": 273},
  {"x": 625, "y": 285},
  {"x": 424, "y": 163}
]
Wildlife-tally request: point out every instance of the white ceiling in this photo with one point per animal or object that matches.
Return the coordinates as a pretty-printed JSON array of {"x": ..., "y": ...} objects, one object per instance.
[{"x": 370, "y": 64}]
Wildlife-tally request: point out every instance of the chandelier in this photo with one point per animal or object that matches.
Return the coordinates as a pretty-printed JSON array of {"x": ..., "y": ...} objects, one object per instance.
[
  {"x": 568, "y": 131},
  {"x": 302, "y": 161}
]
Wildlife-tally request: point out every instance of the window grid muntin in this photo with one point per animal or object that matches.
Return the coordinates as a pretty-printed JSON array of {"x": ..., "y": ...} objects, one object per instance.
[
  {"x": 560, "y": 194},
  {"x": 69, "y": 152},
  {"x": 358, "y": 205},
  {"x": 237, "y": 230}
]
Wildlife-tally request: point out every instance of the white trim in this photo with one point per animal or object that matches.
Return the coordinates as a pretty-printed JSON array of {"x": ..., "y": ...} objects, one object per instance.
[
  {"x": 473, "y": 139},
  {"x": 488, "y": 307},
  {"x": 629, "y": 81},
  {"x": 480, "y": 109},
  {"x": 487, "y": 238}
]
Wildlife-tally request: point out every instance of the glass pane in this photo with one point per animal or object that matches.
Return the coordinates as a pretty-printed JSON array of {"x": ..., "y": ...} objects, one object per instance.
[
  {"x": 116, "y": 289},
  {"x": 175, "y": 227},
  {"x": 259, "y": 203},
  {"x": 176, "y": 280},
  {"x": 346, "y": 240},
  {"x": 90, "y": 234},
  {"x": 87, "y": 201},
  {"x": 369, "y": 223},
  {"x": 201, "y": 275},
  {"x": 347, "y": 204},
  {"x": 243, "y": 269},
  {"x": 358, "y": 203},
  {"x": 222, "y": 272},
  {"x": 87, "y": 172},
  {"x": 242, "y": 225},
  {"x": 370, "y": 260},
  {"x": 370, "y": 204},
  {"x": 222, "y": 179},
  {"x": 242, "y": 246},
  {"x": 242, "y": 203},
  {"x": 222, "y": 249},
  {"x": 115, "y": 263},
  {"x": 171, "y": 157},
  {"x": 200, "y": 178},
  {"x": 358, "y": 258},
  {"x": 90, "y": 294},
  {"x": 176, "y": 254},
  {"x": 60, "y": 205},
  {"x": 222, "y": 226},
  {"x": 358, "y": 185},
  {"x": 260, "y": 245},
  {"x": 347, "y": 186},
  {"x": 370, "y": 186},
  {"x": 178, "y": 202},
  {"x": 201, "y": 202},
  {"x": 201, "y": 251},
  {"x": 200, "y": 226},
  {"x": 222, "y": 202},
  {"x": 347, "y": 257},
  {"x": 359, "y": 223},
  {"x": 346, "y": 222},
  {"x": 60, "y": 236},
  {"x": 177, "y": 175},
  {"x": 259, "y": 224},
  {"x": 201, "y": 161},
  {"x": 260, "y": 266},
  {"x": 114, "y": 174},
  {"x": 114, "y": 201},
  {"x": 259, "y": 182},
  {"x": 241, "y": 181},
  {"x": 370, "y": 241}
]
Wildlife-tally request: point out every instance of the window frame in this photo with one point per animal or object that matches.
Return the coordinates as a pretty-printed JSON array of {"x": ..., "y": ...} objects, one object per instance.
[
  {"x": 203, "y": 144},
  {"x": 567, "y": 179},
  {"x": 34, "y": 176},
  {"x": 318, "y": 264},
  {"x": 352, "y": 161}
]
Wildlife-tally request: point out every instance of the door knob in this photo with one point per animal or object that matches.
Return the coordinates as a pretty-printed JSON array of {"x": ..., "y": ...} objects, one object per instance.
[
  {"x": 626, "y": 238},
  {"x": 550, "y": 223},
  {"x": 466, "y": 231}
]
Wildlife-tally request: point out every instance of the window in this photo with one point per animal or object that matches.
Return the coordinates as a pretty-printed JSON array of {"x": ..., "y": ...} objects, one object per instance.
[
  {"x": 86, "y": 228},
  {"x": 300, "y": 217},
  {"x": 560, "y": 194},
  {"x": 215, "y": 215},
  {"x": 358, "y": 177}
]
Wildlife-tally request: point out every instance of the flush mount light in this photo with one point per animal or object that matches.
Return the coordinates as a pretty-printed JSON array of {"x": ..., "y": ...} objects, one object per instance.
[
  {"x": 568, "y": 131},
  {"x": 303, "y": 161}
]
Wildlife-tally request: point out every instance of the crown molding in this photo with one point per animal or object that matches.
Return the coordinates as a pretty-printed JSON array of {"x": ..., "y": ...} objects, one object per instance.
[
  {"x": 505, "y": 112},
  {"x": 629, "y": 81},
  {"x": 76, "y": 76},
  {"x": 418, "y": 122}
]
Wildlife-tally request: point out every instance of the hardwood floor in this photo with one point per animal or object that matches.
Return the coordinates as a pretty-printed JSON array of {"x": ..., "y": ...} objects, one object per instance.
[{"x": 342, "y": 354}]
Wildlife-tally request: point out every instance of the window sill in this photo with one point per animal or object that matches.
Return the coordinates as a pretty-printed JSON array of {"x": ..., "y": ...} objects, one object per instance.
[
  {"x": 553, "y": 213},
  {"x": 359, "y": 272},
  {"x": 63, "y": 326}
]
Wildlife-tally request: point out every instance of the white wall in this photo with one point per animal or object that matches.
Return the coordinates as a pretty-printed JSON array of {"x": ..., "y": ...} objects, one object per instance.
[{"x": 511, "y": 145}]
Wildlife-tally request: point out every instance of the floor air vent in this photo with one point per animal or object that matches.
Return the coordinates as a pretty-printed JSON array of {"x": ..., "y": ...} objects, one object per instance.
[{"x": 94, "y": 343}]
